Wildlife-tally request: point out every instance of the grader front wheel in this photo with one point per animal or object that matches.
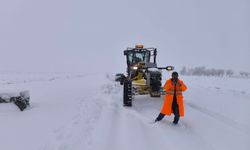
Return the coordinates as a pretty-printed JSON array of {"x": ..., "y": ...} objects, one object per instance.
[{"x": 127, "y": 93}]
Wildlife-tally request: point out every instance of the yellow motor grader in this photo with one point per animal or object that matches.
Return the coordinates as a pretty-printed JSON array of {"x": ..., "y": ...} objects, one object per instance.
[{"x": 143, "y": 74}]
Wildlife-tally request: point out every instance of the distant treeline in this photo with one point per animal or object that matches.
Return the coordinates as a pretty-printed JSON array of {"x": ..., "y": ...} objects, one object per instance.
[{"x": 203, "y": 71}]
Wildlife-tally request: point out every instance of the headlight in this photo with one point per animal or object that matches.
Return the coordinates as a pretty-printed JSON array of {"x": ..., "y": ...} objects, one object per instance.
[
  {"x": 135, "y": 68},
  {"x": 169, "y": 68}
]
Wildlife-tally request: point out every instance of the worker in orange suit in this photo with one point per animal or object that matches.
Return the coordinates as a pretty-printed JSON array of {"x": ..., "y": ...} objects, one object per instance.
[{"x": 173, "y": 101}]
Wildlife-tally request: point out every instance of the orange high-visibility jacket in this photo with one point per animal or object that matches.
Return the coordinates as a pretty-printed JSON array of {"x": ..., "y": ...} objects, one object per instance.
[{"x": 168, "y": 100}]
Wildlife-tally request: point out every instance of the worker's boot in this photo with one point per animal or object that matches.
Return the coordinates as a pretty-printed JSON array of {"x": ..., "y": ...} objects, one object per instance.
[
  {"x": 176, "y": 119},
  {"x": 160, "y": 117}
]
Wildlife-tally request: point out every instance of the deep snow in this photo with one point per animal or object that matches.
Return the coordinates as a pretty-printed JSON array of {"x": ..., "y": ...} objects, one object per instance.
[{"x": 84, "y": 112}]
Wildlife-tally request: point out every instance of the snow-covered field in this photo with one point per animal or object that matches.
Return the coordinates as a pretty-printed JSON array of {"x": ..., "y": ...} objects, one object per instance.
[{"x": 77, "y": 111}]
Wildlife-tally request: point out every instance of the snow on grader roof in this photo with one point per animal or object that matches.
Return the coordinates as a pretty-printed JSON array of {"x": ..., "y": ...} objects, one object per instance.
[{"x": 143, "y": 75}]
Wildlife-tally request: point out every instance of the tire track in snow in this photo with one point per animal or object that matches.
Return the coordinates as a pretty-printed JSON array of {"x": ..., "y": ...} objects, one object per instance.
[
  {"x": 128, "y": 128},
  {"x": 77, "y": 133},
  {"x": 221, "y": 118},
  {"x": 121, "y": 130},
  {"x": 117, "y": 124}
]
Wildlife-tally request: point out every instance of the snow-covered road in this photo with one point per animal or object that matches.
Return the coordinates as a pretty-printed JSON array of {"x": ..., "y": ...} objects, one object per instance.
[
  {"x": 216, "y": 118},
  {"x": 85, "y": 112}
]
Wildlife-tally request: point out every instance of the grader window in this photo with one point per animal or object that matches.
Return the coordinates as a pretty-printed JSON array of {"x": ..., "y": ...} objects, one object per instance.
[
  {"x": 137, "y": 57},
  {"x": 130, "y": 58}
]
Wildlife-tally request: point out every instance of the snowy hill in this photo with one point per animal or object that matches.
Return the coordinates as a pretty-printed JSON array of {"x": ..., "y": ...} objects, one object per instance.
[{"x": 84, "y": 111}]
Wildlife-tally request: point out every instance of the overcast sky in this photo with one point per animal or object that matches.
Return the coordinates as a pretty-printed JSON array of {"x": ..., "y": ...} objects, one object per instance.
[{"x": 80, "y": 35}]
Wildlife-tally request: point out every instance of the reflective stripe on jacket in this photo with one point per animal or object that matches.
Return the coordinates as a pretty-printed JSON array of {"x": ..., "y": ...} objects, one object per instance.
[{"x": 168, "y": 100}]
